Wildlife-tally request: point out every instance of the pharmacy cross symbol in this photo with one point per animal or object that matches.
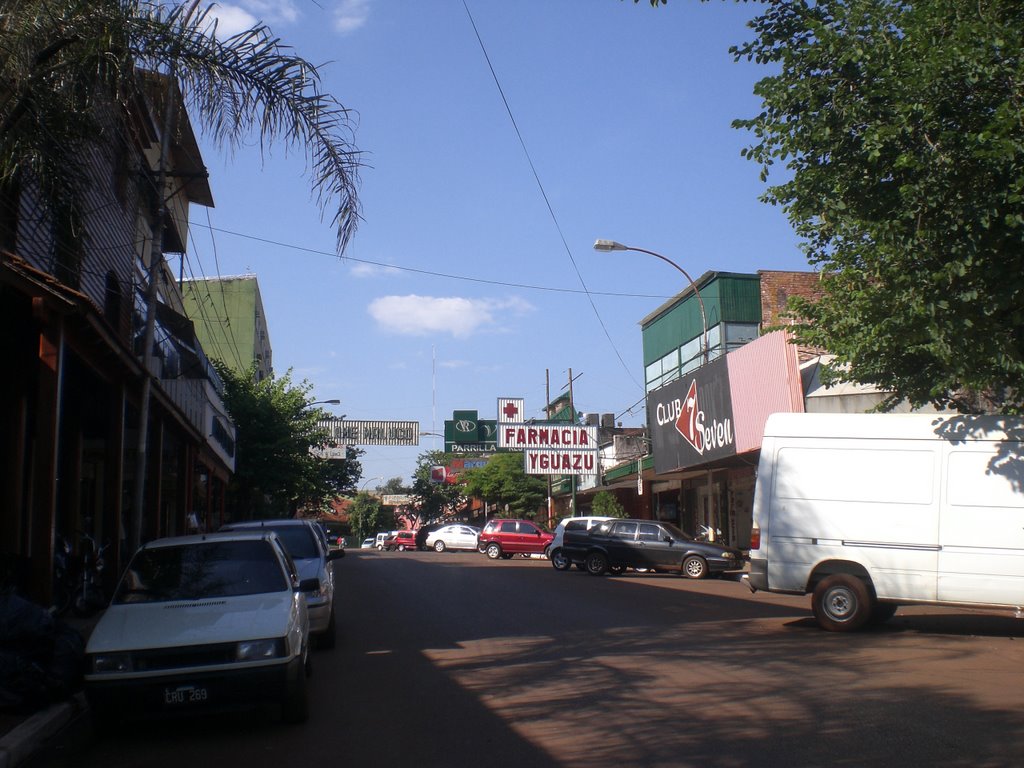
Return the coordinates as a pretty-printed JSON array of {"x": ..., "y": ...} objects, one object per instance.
[{"x": 510, "y": 411}]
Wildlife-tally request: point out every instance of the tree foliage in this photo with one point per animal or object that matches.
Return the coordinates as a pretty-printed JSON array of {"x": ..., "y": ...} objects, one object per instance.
[
  {"x": 367, "y": 516},
  {"x": 275, "y": 473},
  {"x": 606, "y": 505},
  {"x": 64, "y": 61},
  {"x": 504, "y": 482},
  {"x": 901, "y": 130},
  {"x": 435, "y": 501}
]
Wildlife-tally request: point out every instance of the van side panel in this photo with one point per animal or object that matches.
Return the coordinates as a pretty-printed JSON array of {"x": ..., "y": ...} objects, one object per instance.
[
  {"x": 873, "y": 503},
  {"x": 982, "y": 524}
]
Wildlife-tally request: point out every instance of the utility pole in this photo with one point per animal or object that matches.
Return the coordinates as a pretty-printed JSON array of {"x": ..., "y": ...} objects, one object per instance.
[
  {"x": 572, "y": 420},
  {"x": 156, "y": 256}
]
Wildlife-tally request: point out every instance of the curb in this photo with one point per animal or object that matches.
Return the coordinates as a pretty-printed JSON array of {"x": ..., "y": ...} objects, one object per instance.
[{"x": 25, "y": 740}]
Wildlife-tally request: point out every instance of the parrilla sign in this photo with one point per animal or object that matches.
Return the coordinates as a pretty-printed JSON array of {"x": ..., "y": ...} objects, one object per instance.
[
  {"x": 520, "y": 437},
  {"x": 559, "y": 462},
  {"x": 691, "y": 419}
]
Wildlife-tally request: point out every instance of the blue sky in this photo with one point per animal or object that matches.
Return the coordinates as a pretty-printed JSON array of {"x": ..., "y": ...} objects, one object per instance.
[{"x": 460, "y": 286}]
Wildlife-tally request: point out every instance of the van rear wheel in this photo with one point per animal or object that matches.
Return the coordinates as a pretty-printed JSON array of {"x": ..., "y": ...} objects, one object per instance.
[{"x": 842, "y": 603}]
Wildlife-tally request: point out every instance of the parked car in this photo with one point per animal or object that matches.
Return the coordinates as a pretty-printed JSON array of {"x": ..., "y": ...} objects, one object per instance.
[
  {"x": 619, "y": 544},
  {"x": 381, "y": 538},
  {"x": 555, "y": 553},
  {"x": 305, "y": 543},
  {"x": 424, "y": 531},
  {"x": 505, "y": 538},
  {"x": 401, "y": 540},
  {"x": 367, "y": 543},
  {"x": 200, "y": 623},
  {"x": 454, "y": 536}
]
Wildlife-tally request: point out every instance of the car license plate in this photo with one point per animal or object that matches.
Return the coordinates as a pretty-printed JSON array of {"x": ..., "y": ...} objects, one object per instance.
[{"x": 185, "y": 695}]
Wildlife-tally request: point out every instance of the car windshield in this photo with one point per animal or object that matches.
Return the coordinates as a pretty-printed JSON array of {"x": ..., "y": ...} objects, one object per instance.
[{"x": 201, "y": 571}]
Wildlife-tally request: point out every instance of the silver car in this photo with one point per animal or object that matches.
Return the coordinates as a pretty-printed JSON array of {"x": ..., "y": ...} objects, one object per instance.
[
  {"x": 455, "y": 536},
  {"x": 314, "y": 560}
]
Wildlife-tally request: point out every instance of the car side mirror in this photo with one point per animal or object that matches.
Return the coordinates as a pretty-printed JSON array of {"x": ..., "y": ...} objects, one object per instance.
[
  {"x": 309, "y": 585},
  {"x": 670, "y": 540},
  {"x": 334, "y": 554}
]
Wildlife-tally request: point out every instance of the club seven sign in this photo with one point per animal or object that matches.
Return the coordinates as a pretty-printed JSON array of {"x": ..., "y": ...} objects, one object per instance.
[{"x": 691, "y": 419}]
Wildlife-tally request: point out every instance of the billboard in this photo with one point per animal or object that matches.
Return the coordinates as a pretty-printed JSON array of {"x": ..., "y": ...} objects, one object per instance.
[
  {"x": 691, "y": 419},
  {"x": 467, "y": 433},
  {"x": 372, "y": 432},
  {"x": 558, "y": 462},
  {"x": 557, "y": 436}
]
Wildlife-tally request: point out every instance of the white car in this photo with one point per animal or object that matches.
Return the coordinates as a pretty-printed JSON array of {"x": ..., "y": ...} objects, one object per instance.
[
  {"x": 554, "y": 550},
  {"x": 202, "y": 623},
  {"x": 455, "y": 536},
  {"x": 305, "y": 543}
]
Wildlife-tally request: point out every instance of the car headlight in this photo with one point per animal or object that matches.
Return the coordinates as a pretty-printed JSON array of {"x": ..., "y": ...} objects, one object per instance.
[
  {"x": 729, "y": 555},
  {"x": 109, "y": 663},
  {"x": 251, "y": 650}
]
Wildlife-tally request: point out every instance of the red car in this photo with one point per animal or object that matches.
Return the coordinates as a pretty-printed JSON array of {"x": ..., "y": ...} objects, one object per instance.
[
  {"x": 504, "y": 538},
  {"x": 401, "y": 541}
]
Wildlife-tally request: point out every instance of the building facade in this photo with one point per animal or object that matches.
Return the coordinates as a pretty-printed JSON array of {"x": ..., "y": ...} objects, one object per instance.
[
  {"x": 73, "y": 303},
  {"x": 230, "y": 322}
]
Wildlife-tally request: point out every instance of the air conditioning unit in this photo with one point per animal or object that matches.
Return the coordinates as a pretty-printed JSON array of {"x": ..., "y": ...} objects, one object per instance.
[
  {"x": 590, "y": 419},
  {"x": 608, "y": 420}
]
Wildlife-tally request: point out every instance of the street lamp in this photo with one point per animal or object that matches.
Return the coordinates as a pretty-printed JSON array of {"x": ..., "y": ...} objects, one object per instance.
[
  {"x": 334, "y": 401},
  {"x": 611, "y": 245},
  {"x": 363, "y": 486}
]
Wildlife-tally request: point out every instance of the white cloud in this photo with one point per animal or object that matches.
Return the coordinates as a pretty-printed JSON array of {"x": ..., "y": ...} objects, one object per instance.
[
  {"x": 351, "y": 15},
  {"x": 372, "y": 270},
  {"x": 232, "y": 19},
  {"x": 240, "y": 16},
  {"x": 425, "y": 315}
]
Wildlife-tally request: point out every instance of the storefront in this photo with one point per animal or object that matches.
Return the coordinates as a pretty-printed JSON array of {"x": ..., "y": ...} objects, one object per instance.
[{"x": 706, "y": 430}]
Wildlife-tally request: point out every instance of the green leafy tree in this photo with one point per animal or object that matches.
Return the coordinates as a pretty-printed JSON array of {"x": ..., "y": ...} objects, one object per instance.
[
  {"x": 606, "y": 505},
  {"x": 504, "y": 482},
  {"x": 367, "y": 516},
  {"x": 275, "y": 472},
  {"x": 395, "y": 486},
  {"x": 900, "y": 129},
  {"x": 435, "y": 500}
]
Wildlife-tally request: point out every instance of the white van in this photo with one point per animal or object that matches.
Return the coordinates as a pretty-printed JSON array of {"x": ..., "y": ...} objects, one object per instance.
[{"x": 870, "y": 511}]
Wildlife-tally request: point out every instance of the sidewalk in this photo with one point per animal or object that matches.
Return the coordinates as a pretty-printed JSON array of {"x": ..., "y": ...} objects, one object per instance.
[{"x": 21, "y": 736}]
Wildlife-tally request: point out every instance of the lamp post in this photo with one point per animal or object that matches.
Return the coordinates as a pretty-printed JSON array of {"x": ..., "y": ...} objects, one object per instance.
[
  {"x": 334, "y": 401},
  {"x": 611, "y": 245},
  {"x": 363, "y": 486}
]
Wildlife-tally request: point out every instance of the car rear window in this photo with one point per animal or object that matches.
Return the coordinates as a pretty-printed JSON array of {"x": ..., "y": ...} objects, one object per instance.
[
  {"x": 298, "y": 540},
  {"x": 201, "y": 571}
]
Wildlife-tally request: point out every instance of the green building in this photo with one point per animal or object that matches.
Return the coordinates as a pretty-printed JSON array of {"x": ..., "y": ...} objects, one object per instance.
[{"x": 230, "y": 322}]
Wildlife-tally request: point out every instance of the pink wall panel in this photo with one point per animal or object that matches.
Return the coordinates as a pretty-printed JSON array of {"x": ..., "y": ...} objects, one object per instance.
[{"x": 763, "y": 379}]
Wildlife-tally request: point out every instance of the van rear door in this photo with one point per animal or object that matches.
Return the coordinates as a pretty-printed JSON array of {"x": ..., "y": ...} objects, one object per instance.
[{"x": 982, "y": 524}]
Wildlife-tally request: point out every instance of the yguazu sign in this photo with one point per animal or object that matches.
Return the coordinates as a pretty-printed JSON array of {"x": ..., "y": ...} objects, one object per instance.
[{"x": 541, "y": 462}]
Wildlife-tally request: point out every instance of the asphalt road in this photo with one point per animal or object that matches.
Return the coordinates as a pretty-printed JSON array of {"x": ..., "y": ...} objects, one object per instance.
[{"x": 454, "y": 660}]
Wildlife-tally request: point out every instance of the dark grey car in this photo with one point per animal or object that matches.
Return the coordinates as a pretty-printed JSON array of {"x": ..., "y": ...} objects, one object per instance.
[{"x": 615, "y": 545}]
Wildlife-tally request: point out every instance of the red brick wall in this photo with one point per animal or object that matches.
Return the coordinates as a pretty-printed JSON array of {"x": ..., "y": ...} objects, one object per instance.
[{"x": 776, "y": 289}]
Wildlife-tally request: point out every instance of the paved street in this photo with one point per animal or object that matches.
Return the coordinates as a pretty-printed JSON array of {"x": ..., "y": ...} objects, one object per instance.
[{"x": 454, "y": 660}]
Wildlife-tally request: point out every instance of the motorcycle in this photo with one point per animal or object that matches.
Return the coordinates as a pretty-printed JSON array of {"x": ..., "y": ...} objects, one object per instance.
[{"x": 88, "y": 595}]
